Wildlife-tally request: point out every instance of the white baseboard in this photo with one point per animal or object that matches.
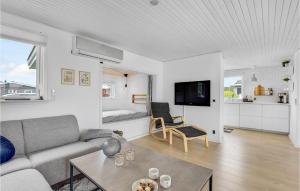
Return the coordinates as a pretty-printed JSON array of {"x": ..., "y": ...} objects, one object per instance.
[
  {"x": 297, "y": 145},
  {"x": 137, "y": 137}
]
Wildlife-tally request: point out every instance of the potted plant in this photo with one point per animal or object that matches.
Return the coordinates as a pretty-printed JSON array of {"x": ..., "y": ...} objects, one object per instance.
[{"x": 286, "y": 79}]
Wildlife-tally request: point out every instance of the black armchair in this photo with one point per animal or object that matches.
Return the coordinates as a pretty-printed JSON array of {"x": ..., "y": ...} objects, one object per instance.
[{"x": 161, "y": 119}]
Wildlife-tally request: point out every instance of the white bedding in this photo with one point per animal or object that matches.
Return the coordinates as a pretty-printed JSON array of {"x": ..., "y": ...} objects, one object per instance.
[{"x": 117, "y": 112}]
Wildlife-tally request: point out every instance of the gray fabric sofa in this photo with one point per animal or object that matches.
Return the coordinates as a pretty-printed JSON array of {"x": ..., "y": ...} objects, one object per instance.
[
  {"x": 45, "y": 144},
  {"x": 24, "y": 180}
]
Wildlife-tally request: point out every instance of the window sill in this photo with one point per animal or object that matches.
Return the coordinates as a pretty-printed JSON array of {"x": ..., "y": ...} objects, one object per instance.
[{"x": 21, "y": 101}]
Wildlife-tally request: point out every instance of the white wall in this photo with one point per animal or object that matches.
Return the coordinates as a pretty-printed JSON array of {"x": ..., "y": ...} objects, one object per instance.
[
  {"x": 119, "y": 101},
  {"x": 269, "y": 77},
  {"x": 205, "y": 67},
  {"x": 83, "y": 102},
  {"x": 145, "y": 65},
  {"x": 136, "y": 84},
  {"x": 294, "y": 102}
]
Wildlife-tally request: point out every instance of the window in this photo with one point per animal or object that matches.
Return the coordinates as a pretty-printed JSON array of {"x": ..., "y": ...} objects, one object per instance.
[
  {"x": 233, "y": 87},
  {"x": 20, "y": 74},
  {"x": 108, "y": 90}
]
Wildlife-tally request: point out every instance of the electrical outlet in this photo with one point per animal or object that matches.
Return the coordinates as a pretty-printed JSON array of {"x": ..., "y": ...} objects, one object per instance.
[{"x": 214, "y": 131}]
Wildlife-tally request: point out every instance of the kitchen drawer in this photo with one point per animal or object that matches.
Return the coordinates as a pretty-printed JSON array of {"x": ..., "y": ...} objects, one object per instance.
[
  {"x": 251, "y": 110},
  {"x": 277, "y": 111},
  {"x": 253, "y": 122},
  {"x": 275, "y": 124},
  {"x": 231, "y": 115}
]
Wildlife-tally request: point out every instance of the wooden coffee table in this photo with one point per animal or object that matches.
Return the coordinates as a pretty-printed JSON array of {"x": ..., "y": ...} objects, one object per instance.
[{"x": 107, "y": 177}]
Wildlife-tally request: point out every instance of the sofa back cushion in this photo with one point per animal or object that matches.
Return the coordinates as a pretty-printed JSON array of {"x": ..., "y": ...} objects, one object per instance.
[
  {"x": 49, "y": 132},
  {"x": 12, "y": 130}
]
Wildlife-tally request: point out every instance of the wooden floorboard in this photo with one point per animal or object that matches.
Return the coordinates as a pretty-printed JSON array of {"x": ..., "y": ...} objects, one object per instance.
[{"x": 246, "y": 160}]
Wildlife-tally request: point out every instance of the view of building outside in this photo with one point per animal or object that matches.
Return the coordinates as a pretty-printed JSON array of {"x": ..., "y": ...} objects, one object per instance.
[
  {"x": 233, "y": 87},
  {"x": 17, "y": 74}
]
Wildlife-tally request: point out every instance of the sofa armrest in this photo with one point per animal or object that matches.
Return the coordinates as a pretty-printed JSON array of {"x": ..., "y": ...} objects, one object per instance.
[{"x": 95, "y": 133}]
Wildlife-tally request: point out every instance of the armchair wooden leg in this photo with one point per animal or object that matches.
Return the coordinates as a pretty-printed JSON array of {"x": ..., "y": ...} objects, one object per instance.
[
  {"x": 185, "y": 144},
  {"x": 206, "y": 141},
  {"x": 164, "y": 133},
  {"x": 171, "y": 137}
]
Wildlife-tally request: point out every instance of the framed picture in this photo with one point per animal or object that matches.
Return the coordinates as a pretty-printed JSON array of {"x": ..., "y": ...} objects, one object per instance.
[
  {"x": 84, "y": 78},
  {"x": 67, "y": 76}
]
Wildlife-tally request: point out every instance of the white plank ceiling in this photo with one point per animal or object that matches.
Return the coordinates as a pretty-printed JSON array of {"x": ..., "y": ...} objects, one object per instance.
[{"x": 248, "y": 32}]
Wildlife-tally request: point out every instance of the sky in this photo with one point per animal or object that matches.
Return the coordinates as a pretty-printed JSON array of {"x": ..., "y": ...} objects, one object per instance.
[
  {"x": 228, "y": 81},
  {"x": 13, "y": 62}
]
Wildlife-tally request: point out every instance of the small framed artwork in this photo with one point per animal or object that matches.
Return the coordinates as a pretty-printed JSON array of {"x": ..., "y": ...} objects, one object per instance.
[
  {"x": 67, "y": 76},
  {"x": 84, "y": 78}
]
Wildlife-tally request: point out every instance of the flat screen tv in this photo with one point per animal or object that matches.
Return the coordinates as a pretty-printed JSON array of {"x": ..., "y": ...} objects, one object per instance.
[{"x": 192, "y": 93}]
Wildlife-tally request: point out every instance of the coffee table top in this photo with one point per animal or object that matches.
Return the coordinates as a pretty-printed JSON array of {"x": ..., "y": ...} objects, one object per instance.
[{"x": 103, "y": 172}]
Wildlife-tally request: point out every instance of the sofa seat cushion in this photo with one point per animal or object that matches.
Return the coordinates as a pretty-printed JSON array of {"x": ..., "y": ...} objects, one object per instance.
[
  {"x": 54, "y": 163},
  {"x": 24, "y": 180},
  {"x": 15, "y": 164}
]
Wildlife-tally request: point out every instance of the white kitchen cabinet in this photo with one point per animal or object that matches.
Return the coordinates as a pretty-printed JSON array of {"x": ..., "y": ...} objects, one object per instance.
[
  {"x": 251, "y": 122},
  {"x": 281, "y": 111},
  {"x": 275, "y": 118},
  {"x": 231, "y": 115},
  {"x": 275, "y": 124},
  {"x": 250, "y": 116},
  {"x": 259, "y": 116},
  {"x": 251, "y": 109}
]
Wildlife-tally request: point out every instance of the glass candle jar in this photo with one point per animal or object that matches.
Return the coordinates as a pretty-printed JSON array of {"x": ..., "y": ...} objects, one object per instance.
[
  {"x": 130, "y": 154},
  {"x": 119, "y": 159}
]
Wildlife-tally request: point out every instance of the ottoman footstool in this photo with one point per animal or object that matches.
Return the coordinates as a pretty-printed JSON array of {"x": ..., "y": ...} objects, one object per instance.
[{"x": 188, "y": 133}]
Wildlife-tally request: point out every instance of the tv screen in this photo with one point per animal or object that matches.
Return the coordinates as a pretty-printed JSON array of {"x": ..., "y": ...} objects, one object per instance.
[{"x": 192, "y": 93}]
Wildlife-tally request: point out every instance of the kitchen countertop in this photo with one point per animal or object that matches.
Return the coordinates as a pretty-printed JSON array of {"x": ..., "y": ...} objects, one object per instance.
[{"x": 258, "y": 103}]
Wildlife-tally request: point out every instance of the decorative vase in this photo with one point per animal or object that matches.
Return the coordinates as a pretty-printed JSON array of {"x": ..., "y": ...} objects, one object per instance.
[{"x": 111, "y": 147}]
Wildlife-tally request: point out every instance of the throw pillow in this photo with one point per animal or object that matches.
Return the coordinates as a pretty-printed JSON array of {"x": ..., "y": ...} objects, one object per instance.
[
  {"x": 96, "y": 133},
  {"x": 7, "y": 150}
]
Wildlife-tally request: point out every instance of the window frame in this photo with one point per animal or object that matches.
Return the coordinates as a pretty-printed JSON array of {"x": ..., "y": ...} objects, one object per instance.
[
  {"x": 242, "y": 90},
  {"x": 113, "y": 90},
  {"x": 39, "y": 51}
]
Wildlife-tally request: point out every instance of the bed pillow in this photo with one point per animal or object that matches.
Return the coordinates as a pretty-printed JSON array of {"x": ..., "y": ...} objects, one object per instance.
[
  {"x": 7, "y": 150},
  {"x": 96, "y": 133}
]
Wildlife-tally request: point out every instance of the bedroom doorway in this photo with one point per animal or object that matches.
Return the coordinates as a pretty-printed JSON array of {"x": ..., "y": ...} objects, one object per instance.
[{"x": 125, "y": 95}]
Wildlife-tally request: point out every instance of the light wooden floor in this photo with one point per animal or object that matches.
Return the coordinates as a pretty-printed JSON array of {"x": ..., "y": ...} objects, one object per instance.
[{"x": 247, "y": 160}]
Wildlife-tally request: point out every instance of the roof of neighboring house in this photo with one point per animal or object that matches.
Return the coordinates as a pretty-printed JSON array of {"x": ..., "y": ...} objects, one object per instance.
[
  {"x": 237, "y": 83},
  {"x": 15, "y": 85}
]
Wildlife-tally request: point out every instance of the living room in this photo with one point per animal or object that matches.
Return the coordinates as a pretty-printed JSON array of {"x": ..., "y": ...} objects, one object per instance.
[{"x": 56, "y": 126}]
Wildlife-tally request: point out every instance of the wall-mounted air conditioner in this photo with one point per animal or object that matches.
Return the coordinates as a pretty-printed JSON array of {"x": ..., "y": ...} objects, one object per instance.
[{"x": 92, "y": 49}]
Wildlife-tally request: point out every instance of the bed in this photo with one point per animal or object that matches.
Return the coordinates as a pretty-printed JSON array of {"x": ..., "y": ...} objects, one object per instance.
[{"x": 121, "y": 115}]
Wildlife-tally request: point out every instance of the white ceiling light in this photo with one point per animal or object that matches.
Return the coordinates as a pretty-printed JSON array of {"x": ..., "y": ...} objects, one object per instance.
[{"x": 154, "y": 2}]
